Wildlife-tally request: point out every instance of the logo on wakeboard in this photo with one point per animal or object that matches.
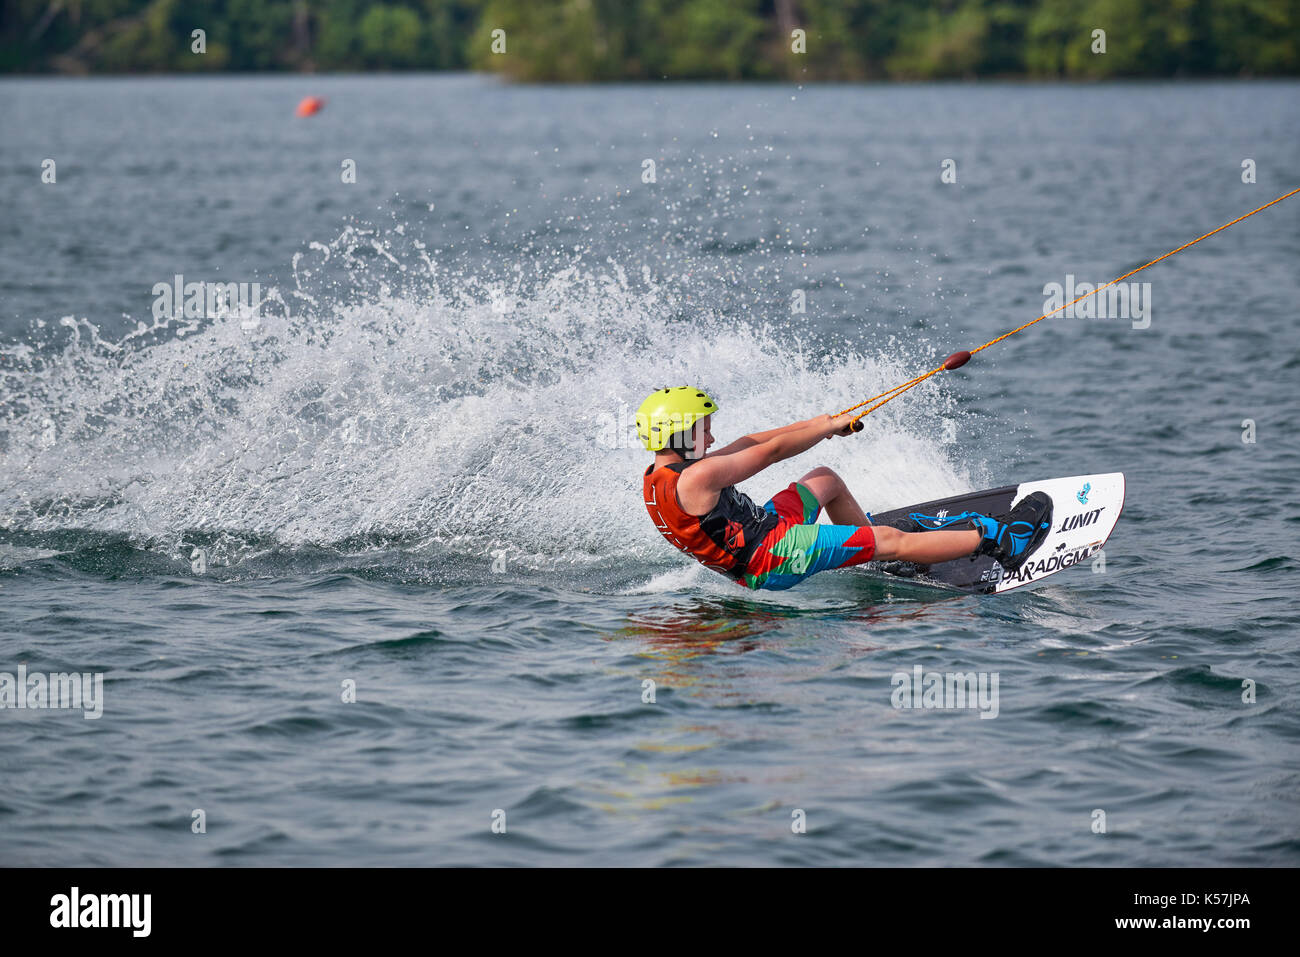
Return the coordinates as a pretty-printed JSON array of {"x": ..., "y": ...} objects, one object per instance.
[
  {"x": 1080, "y": 520},
  {"x": 1082, "y": 494},
  {"x": 1031, "y": 569}
]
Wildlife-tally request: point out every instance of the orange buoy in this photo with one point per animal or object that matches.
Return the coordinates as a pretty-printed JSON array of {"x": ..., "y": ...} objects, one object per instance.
[{"x": 310, "y": 105}]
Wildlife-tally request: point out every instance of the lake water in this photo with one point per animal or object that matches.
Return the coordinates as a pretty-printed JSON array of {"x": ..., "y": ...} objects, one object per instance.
[{"x": 412, "y": 472}]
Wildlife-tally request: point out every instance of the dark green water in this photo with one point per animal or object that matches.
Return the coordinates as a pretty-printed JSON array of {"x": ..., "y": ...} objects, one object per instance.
[{"x": 415, "y": 474}]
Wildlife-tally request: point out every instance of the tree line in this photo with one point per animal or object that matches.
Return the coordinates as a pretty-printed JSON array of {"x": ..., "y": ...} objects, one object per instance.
[{"x": 629, "y": 40}]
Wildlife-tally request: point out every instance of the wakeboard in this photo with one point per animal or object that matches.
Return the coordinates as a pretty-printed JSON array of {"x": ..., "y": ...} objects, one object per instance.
[{"x": 1085, "y": 509}]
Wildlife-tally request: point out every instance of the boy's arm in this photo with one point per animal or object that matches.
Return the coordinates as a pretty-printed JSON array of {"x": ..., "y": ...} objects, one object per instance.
[
  {"x": 757, "y": 438},
  {"x": 714, "y": 473}
]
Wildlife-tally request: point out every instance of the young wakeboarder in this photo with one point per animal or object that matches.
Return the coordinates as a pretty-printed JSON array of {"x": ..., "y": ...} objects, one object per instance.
[{"x": 691, "y": 495}]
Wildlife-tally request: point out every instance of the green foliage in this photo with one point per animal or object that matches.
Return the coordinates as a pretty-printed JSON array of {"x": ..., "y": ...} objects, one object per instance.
[
  {"x": 942, "y": 45},
  {"x": 556, "y": 42},
  {"x": 708, "y": 39},
  {"x": 597, "y": 40},
  {"x": 390, "y": 37},
  {"x": 1254, "y": 36}
]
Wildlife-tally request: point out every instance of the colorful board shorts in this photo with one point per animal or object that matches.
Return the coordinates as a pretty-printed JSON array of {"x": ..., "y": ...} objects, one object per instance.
[{"x": 800, "y": 547}]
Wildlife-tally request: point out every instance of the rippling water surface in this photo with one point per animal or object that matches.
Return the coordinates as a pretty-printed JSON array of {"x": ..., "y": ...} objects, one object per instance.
[{"x": 414, "y": 473}]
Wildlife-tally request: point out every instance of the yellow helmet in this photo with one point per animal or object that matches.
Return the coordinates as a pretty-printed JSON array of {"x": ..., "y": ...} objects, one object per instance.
[{"x": 669, "y": 411}]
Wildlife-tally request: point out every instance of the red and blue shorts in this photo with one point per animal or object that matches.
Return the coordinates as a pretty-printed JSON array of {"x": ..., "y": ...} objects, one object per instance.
[{"x": 799, "y": 546}]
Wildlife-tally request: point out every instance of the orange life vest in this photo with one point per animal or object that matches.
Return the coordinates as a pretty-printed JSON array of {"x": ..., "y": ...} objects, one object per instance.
[{"x": 723, "y": 539}]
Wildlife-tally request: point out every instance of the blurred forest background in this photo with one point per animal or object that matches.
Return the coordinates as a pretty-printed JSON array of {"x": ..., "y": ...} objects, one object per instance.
[{"x": 595, "y": 40}]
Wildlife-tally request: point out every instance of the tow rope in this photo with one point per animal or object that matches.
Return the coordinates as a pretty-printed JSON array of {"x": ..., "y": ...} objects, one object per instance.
[{"x": 959, "y": 359}]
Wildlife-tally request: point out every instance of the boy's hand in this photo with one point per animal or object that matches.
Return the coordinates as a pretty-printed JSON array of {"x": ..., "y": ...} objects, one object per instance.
[{"x": 840, "y": 424}]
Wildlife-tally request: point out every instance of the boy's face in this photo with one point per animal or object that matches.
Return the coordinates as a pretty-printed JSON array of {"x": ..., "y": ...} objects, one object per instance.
[{"x": 702, "y": 436}]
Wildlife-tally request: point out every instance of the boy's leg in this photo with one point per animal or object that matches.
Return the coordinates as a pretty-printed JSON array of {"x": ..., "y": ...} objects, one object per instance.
[
  {"x": 834, "y": 496},
  {"x": 923, "y": 548},
  {"x": 1029, "y": 521},
  {"x": 793, "y": 551},
  {"x": 799, "y": 548},
  {"x": 1010, "y": 540}
]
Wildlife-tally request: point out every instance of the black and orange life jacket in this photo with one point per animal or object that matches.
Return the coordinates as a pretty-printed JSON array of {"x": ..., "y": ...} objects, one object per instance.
[{"x": 724, "y": 538}]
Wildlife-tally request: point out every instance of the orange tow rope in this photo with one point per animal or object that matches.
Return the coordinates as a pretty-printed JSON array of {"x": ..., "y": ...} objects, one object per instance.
[{"x": 959, "y": 359}]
